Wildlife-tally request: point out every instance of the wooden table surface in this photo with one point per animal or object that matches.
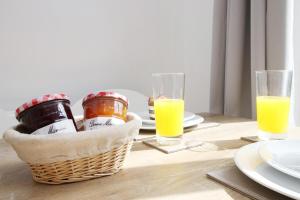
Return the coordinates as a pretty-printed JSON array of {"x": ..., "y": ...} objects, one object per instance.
[{"x": 147, "y": 173}]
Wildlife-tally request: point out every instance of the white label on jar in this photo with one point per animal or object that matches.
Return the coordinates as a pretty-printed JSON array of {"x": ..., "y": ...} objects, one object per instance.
[
  {"x": 97, "y": 122},
  {"x": 57, "y": 127}
]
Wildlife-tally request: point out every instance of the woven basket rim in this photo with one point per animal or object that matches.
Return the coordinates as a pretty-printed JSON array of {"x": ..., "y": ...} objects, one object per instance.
[{"x": 79, "y": 145}]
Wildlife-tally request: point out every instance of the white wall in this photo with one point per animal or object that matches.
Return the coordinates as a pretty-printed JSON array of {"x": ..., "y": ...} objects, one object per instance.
[{"x": 77, "y": 46}]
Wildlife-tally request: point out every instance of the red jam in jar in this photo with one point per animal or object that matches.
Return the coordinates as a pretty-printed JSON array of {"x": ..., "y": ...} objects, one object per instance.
[
  {"x": 104, "y": 109},
  {"x": 48, "y": 114}
]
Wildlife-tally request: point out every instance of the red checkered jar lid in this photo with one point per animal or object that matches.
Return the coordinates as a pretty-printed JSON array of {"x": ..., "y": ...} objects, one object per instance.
[
  {"x": 105, "y": 94},
  {"x": 42, "y": 99}
]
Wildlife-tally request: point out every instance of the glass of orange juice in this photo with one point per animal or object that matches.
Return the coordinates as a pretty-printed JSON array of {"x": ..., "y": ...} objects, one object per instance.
[
  {"x": 168, "y": 94},
  {"x": 273, "y": 91}
]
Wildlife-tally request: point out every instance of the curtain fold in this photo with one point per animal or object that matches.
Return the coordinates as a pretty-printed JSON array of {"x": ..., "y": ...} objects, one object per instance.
[
  {"x": 218, "y": 57},
  {"x": 248, "y": 35}
]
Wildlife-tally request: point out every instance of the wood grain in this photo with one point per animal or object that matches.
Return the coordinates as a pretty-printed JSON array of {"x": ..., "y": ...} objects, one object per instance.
[{"x": 147, "y": 173}]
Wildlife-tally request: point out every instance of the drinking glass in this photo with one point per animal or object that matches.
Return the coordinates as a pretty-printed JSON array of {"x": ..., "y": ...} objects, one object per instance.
[
  {"x": 168, "y": 94},
  {"x": 273, "y": 91}
]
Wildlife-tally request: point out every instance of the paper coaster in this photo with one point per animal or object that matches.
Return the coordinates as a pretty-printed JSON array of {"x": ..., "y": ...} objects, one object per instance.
[
  {"x": 233, "y": 178},
  {"x": 141, "y": 138},
  {"x": 185, "y": 144}
]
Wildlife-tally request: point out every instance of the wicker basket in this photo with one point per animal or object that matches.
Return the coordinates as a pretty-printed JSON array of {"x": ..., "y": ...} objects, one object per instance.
[{"x": 81, "y": 168}]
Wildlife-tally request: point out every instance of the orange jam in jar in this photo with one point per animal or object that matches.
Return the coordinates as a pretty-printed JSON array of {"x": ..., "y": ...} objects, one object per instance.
[{"x": 104, "y": 109}]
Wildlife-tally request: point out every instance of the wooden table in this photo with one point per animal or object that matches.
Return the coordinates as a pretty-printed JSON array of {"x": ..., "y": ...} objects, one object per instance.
[{"x": 147, "y": 174}]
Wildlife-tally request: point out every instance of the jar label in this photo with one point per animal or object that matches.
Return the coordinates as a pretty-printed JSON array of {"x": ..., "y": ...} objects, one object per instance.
[
  {"x": 57, "y": 127},
  {"x": 97, "y": 122}
]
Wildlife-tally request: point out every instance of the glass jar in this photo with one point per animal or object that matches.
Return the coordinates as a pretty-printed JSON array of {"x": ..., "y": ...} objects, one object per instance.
[
  {"x": 48, "y": 114},
  {"x": 104, "y": 109}
]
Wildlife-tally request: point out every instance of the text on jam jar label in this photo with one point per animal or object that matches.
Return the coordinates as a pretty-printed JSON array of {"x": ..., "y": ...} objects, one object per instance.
[
  {"x": 62, "y": 126},
  {"x": 94, "y": 123}
]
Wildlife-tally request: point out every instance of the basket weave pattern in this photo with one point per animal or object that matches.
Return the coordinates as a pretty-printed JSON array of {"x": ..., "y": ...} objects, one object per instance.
[{"x": 81, "y": 169}]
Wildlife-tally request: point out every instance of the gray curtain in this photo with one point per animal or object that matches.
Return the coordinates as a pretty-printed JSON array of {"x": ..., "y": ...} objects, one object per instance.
[{"x": 248, "y": 35}]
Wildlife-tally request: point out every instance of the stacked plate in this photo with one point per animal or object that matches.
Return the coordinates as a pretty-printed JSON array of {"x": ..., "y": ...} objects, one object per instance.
[
  {"x": 190, "y": 120},
  {"x": 273, "y": 164}
]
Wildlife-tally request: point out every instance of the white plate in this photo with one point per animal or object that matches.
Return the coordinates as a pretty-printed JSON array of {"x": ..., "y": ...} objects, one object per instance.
[
  {"x": 283, "y": 155},
  {"x": 191, "y": 122},
  {"x": 251, "y": 164},
  {"x": 146, "y": 119}
]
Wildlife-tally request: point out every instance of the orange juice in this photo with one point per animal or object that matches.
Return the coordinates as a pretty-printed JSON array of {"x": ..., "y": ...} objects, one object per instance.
[
  {"x": 273, "y": 113},
  {"x": 169, "y": 117}
]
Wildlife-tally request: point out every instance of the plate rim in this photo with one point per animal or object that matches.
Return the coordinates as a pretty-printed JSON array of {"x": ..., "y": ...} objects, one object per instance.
[
  {"x": 262, "y": 152},
  {"x": 262, "y": 180},
  {"x": 152, "y": 122},
  {"x": 152, "y": 127}
]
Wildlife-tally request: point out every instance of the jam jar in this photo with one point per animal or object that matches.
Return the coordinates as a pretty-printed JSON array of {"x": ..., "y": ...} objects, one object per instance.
[
  {"x": 104, "y": 109},
  {"x": 48, "y": 114}
]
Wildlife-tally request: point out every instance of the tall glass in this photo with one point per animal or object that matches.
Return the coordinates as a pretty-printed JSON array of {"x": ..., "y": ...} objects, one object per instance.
[
  {"x": 273, "y": 91},
  {"x": 168, "y": 94}
]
